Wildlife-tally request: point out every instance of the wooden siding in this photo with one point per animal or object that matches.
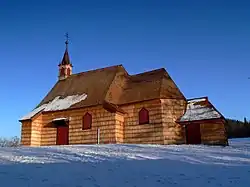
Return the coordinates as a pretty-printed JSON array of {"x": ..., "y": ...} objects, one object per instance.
[
  {"x": 122, "y": 128},
  {"x": 213, "y": 133},
  {"x": 26, "y": 133},
  {"x": 36, "y": 131},
  {"x": 110, "y": 125},
  {"x": 151, "y": 133},
  {"x": 119, "y": 128},
  {"x": 172, "y": 109}
]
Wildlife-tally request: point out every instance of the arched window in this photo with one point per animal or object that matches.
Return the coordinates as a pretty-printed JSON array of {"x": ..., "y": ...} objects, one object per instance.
[
  {"x": 68, "y": 72},
  {"x": 143, "y": 116},
  {"x": 86, "y": 121},
  {"x": 62, "y": 72}
]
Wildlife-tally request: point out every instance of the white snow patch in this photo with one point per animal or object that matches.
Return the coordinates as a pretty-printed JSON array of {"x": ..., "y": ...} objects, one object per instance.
[
  {"x": 59, "y": 119},
  {"x": 61, "y": 104},
  {"x": 34, "y": 112},
  {"x": 57, "y": 104}
]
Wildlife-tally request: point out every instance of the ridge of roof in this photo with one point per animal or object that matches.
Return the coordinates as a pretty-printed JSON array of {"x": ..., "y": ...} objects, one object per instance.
[
  {"x": 149, "y": 72},
  {"x": 97, "y": 70}
]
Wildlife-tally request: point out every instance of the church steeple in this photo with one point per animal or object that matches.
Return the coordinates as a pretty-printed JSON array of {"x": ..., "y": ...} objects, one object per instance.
[{"x": 65, "y": 67}]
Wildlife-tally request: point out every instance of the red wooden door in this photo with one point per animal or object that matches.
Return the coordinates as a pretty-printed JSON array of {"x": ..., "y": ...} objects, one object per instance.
[
  {"x": 193, "y": 134},
  {"x": 62, "y": 136}
]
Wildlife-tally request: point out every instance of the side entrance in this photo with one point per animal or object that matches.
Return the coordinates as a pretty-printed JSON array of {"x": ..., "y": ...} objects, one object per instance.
[
  {"x": 62, "y": 137},
  {"x": 193, "y": 134}
]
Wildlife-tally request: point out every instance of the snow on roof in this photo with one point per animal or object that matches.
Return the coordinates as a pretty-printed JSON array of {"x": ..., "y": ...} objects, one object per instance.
[
  {"x": 56, "y": 104},
  {"x": 196, "y": 100},
  {"x": 34, "y": 112},
  {"x": 59, "y": 119},
  {"x": 199, "y": 109}
]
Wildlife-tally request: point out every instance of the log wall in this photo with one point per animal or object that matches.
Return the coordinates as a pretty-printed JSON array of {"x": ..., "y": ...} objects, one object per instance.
[
  {"x": 110, "y": 125},
  {"x": 26, "y": 133},
  {"x": 119, "y": 128},
  {"x": 213, "y": 133},
  {"x": 122, "y": 128},
  {"x": 36, "y": 131},
  {"x": 151, "y": 133},
  {"x": 172, "y": 109}
]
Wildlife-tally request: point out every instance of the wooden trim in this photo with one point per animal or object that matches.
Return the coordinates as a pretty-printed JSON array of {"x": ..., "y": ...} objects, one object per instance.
[{"x": 200, "y": 121}]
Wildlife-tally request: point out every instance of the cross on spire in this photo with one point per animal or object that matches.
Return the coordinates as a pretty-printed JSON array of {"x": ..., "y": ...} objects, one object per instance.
[{"x": 67, "y": 39}]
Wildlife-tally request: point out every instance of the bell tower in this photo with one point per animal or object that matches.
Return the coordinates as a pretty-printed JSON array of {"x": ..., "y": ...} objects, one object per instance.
[{"x": 65, "y": 67}]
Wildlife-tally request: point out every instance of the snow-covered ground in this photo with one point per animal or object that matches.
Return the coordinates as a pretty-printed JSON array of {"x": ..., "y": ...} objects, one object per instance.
[{"x": 126, "y": 165}]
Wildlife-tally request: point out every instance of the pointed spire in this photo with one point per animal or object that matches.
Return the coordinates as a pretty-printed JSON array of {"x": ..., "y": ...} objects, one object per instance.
[
  {"x": 65, "y": 67},
  {"x": 66, "y": 59}
]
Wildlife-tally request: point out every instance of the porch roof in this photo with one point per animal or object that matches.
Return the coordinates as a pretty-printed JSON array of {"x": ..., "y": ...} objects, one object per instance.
[{"x": 200, "y": 109}]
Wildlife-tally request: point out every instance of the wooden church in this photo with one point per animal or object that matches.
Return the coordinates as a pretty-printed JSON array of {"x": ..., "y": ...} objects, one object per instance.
[{"x": 108, "y": 105}]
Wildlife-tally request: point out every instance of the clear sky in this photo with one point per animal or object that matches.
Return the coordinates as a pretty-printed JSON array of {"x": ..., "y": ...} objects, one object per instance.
[{"x": 204, "y": 45}]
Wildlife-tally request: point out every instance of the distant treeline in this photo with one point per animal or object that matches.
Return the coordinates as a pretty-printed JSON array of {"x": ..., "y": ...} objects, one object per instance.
[
  {"x": 238, "y": 129},
  {"x": 10, "y": 142}
]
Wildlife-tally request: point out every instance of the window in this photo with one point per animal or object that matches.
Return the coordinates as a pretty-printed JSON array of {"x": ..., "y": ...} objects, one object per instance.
[
  {"x": 86, "y": 121},
  {"x": 68, "y": 72},
  {"x": 143, "y": 116},
  {"x": 62, "y": 72}
]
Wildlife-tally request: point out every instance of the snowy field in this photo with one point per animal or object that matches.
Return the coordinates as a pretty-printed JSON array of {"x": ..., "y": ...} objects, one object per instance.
[{"x": 127, "y": 165}]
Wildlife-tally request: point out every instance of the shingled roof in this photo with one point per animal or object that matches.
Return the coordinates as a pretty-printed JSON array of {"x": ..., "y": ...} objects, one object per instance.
[
  {"x": 115, "y": 86},
  {"x": 94, "y": 83},
  {"x": 199, "y": 109}
]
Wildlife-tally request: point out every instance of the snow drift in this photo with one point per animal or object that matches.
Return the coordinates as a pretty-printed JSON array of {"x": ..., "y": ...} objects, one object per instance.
[{"x": 126, "y": 166}]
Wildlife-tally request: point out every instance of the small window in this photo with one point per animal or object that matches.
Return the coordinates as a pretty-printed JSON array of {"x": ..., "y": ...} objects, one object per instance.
[
  {"x": 62, "y": 71},
  {"x": 68, "y": 72},
  {"x": 143, "y": 116},
  {"x": 86, "y": 121}
]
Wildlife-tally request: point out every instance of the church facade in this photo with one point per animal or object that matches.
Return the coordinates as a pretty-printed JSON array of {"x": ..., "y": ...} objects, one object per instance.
[{"x": 108, "y": 105}]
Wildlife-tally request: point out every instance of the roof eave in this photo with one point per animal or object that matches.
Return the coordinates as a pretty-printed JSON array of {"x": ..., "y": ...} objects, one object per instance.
[{"x": 198, "y": 121}]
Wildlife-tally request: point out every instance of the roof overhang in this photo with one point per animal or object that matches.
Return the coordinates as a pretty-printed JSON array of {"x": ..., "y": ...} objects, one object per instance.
[
  {"x": 113, "y": 108},
  {"x": 58, "y": 122}
]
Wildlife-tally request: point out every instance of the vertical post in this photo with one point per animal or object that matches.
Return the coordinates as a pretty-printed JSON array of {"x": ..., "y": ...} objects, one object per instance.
[{"x": 98, "y": 136}]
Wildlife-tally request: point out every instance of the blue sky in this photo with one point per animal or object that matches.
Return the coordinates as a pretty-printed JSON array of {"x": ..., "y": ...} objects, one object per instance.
[{"x": 204, "y": 45}]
